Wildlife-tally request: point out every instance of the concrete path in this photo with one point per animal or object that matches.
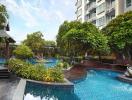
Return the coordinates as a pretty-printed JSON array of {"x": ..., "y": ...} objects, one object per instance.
[{"x": 7, "y": 88}]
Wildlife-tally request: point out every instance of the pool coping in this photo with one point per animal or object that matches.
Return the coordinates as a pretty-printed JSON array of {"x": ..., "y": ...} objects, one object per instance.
[
  {"x": 19, "y": 92},
  {"x": 105, "y": 69},
  {"x": 66, "y": 83}
]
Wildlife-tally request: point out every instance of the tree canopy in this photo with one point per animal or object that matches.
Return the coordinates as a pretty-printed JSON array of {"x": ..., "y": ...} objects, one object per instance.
[
  {"x": 35, "y": 41},
  {"x": 119, "y": 31},
  {"x": 3, "y": 14},
  {"x": 79, "y": 37},
  {"x": 23, "y": 52},
  {"x": 50, "y": 43}
]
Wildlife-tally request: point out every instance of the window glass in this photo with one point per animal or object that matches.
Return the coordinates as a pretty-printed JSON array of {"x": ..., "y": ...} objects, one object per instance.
[
  {"x": 101, "y": 8},
  {"x": 128, "y": 3},
  {"x": 101, "y": 21}
]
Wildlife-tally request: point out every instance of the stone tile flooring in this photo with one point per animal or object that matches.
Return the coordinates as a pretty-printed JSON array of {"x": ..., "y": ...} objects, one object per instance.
[{"x": 7, "y": 88}]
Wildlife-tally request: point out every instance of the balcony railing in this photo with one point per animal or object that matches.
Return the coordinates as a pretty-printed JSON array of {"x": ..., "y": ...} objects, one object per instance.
[
  {"x": 78, "y": 3},
  {"x": 91, "y": 6},
  {"x": 92, "y": 18},
  {"x": 87, "y": 1},
  {"x": 87, "y": 12},
  {"x": 110, "y": 7}
]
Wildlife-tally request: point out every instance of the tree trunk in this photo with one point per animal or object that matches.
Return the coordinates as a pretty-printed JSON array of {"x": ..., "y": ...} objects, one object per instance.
[
  {"x": 100, "y": 59},
  {"x": 7, "y": 50},
  {"x": 129, "y": 55}
]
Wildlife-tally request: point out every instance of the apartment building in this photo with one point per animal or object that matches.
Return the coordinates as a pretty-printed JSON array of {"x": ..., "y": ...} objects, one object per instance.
[
  {"x": 128, "y": 5},
  {"x": 101, "y": 12}
]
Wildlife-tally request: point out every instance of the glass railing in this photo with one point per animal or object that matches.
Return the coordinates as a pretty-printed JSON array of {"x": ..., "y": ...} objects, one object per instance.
[{"x": 110, "y": 6}]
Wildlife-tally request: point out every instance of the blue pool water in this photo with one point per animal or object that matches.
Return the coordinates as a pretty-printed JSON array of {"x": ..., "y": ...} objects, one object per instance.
[
  {"x": 97, "y": 85},
  {"x": 49, "y": 62},
  {"x": 2, "y": 61}
]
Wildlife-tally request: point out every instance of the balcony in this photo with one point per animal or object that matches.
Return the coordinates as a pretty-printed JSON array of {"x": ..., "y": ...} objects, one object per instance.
[
  {"x": 87, "y": 2},
  {"x": 92, "y": 18},
  {"x": 110, "y": 7},
  {"x": 108, "y": 19},
  {"x": 91, "y": 6},
  {"x": 87, "y": 12},
  {"x": 78, "y": 3}
]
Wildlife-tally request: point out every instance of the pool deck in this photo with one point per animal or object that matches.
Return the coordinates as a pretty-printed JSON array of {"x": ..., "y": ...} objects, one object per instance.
[
  {"x": 80, "y": 70},
  {"x": 7, "y": 88}
]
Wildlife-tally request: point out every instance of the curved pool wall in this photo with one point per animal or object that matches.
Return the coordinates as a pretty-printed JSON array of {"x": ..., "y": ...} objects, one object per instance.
[{"x": 97, "y": 85}]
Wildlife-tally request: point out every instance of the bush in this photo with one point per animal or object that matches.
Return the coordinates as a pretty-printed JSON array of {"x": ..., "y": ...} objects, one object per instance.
[
  {"x": 63, "y": 65},
  {"x": 23, "y": 52},
  {"x": 35, "y": 72},
  {"x": 54, "y": 75}
]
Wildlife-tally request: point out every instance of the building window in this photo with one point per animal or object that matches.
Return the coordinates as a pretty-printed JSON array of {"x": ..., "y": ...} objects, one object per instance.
[
  {"x": 79, "y": 13},
  {"x": 101, "y": 21},
  {"x": 128, "y": 3},
  {"x": 101, "y": 8}
]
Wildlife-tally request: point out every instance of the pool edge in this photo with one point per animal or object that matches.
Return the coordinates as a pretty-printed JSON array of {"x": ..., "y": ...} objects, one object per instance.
[{"x": 19, "y": 92}]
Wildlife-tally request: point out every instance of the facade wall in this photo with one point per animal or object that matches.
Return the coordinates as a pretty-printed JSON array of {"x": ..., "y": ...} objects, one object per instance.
[
  {"x": 101, "y": 12},
  {"x": 127, "y": 7}
]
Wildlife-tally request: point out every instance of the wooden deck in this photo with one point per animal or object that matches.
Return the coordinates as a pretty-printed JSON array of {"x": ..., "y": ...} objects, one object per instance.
[{"x": 80, "y": 70}]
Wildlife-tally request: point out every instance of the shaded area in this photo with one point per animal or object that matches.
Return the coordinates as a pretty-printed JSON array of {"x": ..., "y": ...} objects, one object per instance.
[{"x": 7, "y": 87}]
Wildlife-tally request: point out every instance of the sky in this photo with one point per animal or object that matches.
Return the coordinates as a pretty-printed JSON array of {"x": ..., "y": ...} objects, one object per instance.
[{"x": 28, "y": 16}]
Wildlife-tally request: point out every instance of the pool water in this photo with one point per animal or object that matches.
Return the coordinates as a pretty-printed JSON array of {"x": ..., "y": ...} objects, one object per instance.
[
  {"x": 2, "y": 61},
  {"x": 97, "y": 85},
  {"x": 49, "y": 62},
  {"x": 40, "y": 92}
]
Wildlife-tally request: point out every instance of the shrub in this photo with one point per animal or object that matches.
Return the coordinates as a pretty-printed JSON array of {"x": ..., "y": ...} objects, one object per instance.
[
  {"x": 54, "y": 75},
  {"x": 23, "y": 52},
  {"x": 35, "y": 72},
  {"x": 63, "y": 65}
]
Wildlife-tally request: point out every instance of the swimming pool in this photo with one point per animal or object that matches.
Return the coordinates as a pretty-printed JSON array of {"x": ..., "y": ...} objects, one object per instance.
[
  {"x": 48, "y": 62},
  {"x": 51, "y": 62},
  {"x": 97, "y": 85}
]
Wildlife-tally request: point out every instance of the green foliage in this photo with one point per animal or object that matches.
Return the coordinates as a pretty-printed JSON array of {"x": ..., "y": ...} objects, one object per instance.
[
  {"x": 35, "y": 41},
  {"x": 119, "y": 31},
  {"x": 35, "y": 72},
  {"x": 63, "y": 65},
  {"x": 50, "y": 43},
  {"x": 76, "y": 38},
  {"x": 50, "y": 49},
  {"x": 2, "y": 16},
  {"x": 54, "y": 75},
  {"x": 23, "y": 52}
]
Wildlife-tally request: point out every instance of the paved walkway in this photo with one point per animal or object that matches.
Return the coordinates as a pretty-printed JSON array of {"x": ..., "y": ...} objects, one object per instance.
[{"x": 7, "y": 88}]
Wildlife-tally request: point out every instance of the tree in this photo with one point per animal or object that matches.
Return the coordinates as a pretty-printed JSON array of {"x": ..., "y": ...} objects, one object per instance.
[
  {"x": 3, "y": 16},
  {"x": 119, "y": 31},
  {"x": 50, "y": 48},
  {"x": 23, "y": 52},
  {"x": 50, "y": 43},
  {"x": 78, "y": 37},
  {"x": 63, "y": 29},
  {"x": 36, "y": 42}
]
